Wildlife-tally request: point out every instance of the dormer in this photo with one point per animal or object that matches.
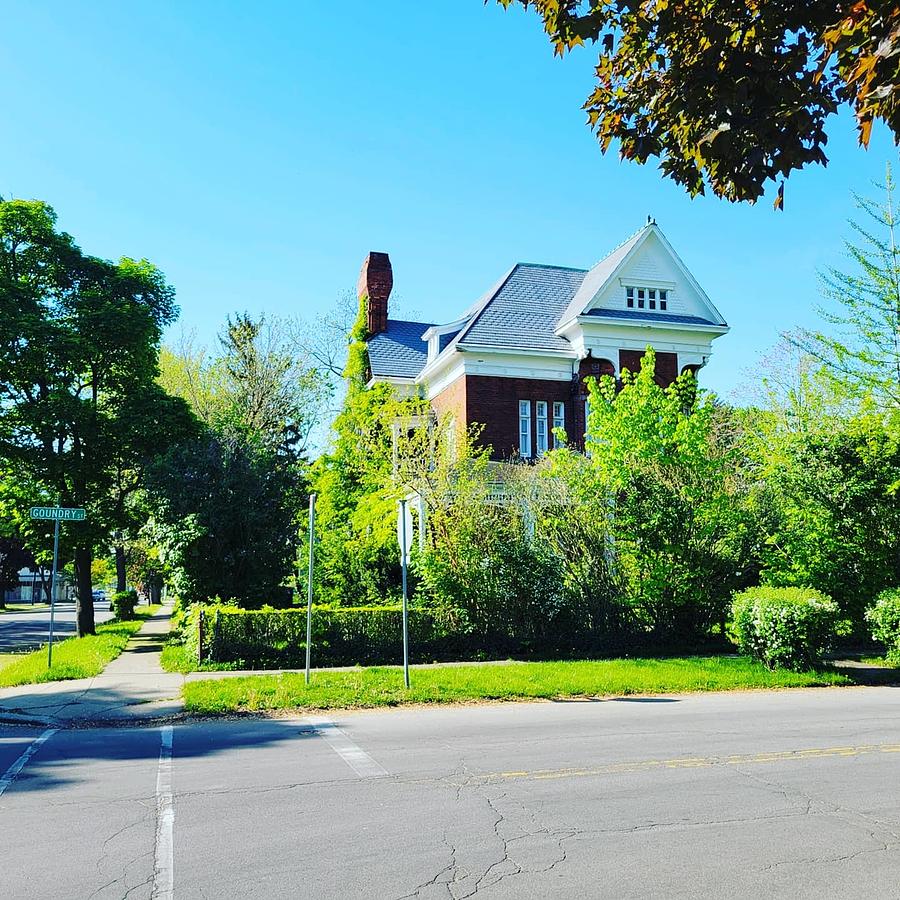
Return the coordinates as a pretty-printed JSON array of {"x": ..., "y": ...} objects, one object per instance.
[{"x": 439, "y": 336}]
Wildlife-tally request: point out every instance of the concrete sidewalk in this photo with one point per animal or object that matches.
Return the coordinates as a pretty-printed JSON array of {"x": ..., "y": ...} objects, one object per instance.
[{"x": 133, "y": 687}]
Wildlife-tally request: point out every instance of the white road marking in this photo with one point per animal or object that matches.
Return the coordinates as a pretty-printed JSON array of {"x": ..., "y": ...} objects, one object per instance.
[
  {"x": 350, "y": 753},
  {"x": 9, "y": 776},
  {"x": 164, "y": 857}
]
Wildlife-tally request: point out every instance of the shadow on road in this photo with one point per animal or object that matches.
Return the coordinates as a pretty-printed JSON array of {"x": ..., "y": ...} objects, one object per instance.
[{"x": 58, "y": 762}]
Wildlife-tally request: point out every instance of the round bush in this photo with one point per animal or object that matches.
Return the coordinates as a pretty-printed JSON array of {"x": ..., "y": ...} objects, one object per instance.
[
  {"x": 884, "y": 619},
  {"x": 789, "y": 627}
]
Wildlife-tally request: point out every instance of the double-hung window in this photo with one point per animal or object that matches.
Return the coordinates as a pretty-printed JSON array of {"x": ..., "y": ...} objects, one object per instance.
[
  {"x": 542, "y": 429},
  {"x": 525, "y": 428},
  {"x": 559, "y": 419}
]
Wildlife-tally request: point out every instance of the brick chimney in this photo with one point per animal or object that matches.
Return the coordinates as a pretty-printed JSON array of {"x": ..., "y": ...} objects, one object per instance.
[{"x": 376, "y": 278}]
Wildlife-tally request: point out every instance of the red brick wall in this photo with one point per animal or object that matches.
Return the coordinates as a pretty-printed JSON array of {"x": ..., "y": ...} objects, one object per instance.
[
  {"x": 494, "y": 403},
  {"x": 452, "y": 400}
]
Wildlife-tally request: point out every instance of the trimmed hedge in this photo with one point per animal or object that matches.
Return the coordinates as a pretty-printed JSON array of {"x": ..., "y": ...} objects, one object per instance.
[
  {"x": 123, "y": 604},
  {"x": 884, "y": 619},
  {"x": 791, "y": 627},
  {"x": 276, "y": 638}
]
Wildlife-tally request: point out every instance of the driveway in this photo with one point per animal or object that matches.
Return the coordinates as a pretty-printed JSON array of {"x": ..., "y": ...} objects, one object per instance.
[
  {"x": 792, "y": 794},
  {"x": 28, "y": 630}
]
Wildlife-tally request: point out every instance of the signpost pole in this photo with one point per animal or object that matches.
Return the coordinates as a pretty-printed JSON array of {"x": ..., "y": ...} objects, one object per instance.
[
  {"x": 53, "y": 591},
  {"x": 404, "y": 551},
  {"x": 309, "y": 580}
]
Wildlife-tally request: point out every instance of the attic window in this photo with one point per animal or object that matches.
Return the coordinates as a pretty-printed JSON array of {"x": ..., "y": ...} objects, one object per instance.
[{"x": 646, "y": 298}]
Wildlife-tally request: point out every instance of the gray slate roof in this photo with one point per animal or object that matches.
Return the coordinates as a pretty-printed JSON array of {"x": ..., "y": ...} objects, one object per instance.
[
  {"x": 525, "y": 311},
  {"x": 651, "y": 316},
  {"x": 399, "y": 351}
]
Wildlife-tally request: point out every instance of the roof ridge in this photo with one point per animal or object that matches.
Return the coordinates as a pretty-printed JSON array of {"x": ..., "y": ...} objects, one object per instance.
[
  {"x": 630, "y": 237},
  {"x": 551, "y": 266}
]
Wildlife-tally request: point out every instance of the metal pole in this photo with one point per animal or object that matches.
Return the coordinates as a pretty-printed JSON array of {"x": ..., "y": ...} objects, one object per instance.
[
  {"x": 53, "y": 592},
  {"x": 309, "y": 580},
  {"x": 404, "y": 543}
]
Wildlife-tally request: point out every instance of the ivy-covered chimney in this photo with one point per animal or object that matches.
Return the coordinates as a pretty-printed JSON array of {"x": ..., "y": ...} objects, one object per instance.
[{"x": 375, "y": 282}]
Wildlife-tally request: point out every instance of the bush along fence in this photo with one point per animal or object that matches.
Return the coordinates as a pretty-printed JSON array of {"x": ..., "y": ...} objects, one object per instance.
[{"x": 276, "y": 638}]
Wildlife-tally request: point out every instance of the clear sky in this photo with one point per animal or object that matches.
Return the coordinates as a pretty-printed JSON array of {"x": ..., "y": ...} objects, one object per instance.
[{"x": 257, "y": 151}]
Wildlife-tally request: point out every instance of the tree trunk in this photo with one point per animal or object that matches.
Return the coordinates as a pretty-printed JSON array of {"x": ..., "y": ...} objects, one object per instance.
[
  {"x": 120, "y": 568},
  {"x": 84, "y": 604},
  {"x": 155, "y": 589}
]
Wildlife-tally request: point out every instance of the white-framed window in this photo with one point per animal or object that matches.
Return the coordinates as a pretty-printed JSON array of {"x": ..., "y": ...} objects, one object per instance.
[
  {"x": 559, "y": 418},
  {"x": 646, "y": 298},
  {"x": 525, "y": 428},
  {"x": 543, "y": 440}
]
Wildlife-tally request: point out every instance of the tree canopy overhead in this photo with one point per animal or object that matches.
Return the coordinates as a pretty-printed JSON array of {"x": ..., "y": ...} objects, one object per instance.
[{"x": 730, "y": 95}]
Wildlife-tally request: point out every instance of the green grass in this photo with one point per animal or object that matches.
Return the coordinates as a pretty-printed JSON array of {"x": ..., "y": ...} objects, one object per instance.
[
  {"x": 374, "y": 687},
  {"x": 175, "y": 658},
  {"x": 875, "y": 661},
  {"x": 74, "y": 657},
  {"x": 23, "y": 607}
]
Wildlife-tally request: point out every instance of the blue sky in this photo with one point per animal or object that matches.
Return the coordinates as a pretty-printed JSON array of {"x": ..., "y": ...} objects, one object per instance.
[{"x": 256, "y": 152}]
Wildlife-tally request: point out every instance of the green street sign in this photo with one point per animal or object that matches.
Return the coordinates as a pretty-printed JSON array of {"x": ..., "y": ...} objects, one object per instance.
[{"x": 58, "y": 513}]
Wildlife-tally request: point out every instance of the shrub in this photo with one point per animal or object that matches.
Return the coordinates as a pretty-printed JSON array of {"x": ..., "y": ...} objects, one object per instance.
[
  {"x": 884, "y": 620},
  {"x": 123, "y": 604},
  {"x": 789, "y": 627}
]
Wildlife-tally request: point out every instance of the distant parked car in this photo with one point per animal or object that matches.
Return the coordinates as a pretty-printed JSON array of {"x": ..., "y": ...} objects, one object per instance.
[{"x": 98, "y": 595}]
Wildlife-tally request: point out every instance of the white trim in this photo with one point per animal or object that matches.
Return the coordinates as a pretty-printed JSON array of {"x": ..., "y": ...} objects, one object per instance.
[{"x": 516, "y": 351}]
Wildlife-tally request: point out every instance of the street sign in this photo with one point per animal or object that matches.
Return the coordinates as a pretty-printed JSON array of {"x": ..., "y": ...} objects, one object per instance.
[
  {"x": 404, "y": 529},
  {"x": 55, "y": 514},
  {"x": 58, "y": 513}
]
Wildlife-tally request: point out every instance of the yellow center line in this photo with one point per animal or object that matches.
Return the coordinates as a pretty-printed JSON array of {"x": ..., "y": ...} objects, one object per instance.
[{"x": 696, "y": 762}]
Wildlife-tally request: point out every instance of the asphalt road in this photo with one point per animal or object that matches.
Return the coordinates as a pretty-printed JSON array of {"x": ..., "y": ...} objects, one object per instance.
[
  {"x": 27, "y": 630},
  {"x": 791, "y": 794}
]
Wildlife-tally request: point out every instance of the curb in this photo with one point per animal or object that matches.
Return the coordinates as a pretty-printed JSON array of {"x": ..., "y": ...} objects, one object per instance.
[{"x": 16, "y": 719}]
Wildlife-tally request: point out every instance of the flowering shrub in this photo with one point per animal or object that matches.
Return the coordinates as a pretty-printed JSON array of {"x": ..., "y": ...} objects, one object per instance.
[
  {"x": 790, "y": 627},
  {"x": 884, "y": 620}
]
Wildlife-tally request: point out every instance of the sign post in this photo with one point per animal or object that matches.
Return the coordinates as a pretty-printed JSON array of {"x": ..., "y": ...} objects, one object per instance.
[
  {"x": 403, "y": 522},
  {"x": 57, "y": 514},
  {"x": 309, "y": 582}
]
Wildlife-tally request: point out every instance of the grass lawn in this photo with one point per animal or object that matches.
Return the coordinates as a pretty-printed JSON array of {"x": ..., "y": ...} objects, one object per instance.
[
  {"x": 74, "y": 657},
  {"x": 383, "y": 686},
  {"x": 23, "y": 607}
]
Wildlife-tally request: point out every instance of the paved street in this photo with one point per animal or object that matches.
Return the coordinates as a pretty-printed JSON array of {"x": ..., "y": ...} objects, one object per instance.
[
  {"x": 793, "y": 794},
  {"x": 27, "y": 630}
]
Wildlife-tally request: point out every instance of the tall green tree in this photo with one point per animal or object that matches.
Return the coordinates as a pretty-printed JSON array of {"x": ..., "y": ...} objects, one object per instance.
[
  {"x": 861, "y": 347},
  {"x": 731, "y": 95},
  {"x": 666, "y": 461},
  {"x": 79, "y": 341}
]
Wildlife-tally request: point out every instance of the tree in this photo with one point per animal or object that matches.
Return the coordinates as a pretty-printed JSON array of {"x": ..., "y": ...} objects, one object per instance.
[
  {"x": 79, "y": 340},
  {"x": 665, "y": 459},
  {"x": 224, "y": 510},
  {"x": 13, "y": 557},
  {"x": 728, "y": 94},
  {"x": 861, "y": 352}
]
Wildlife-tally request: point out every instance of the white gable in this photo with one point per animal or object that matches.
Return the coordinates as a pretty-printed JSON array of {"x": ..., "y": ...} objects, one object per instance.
[{"x": 646, "y": 260}]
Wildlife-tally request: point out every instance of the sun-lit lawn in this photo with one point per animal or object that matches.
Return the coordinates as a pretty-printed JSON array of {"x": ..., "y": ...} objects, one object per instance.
[
  {"x": 74, "y": 657},
  {"x": 23, "y": 607},
  {"x": 383, "y": 686}
]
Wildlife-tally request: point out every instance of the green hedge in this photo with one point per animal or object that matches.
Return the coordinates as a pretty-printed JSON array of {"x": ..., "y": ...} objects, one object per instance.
[
  {"x": 884, "y": 620},
  {"x": 790, "y": 627},
  {"x": 276, "y": 638}
]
